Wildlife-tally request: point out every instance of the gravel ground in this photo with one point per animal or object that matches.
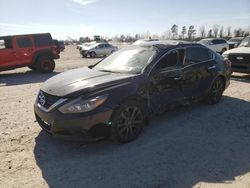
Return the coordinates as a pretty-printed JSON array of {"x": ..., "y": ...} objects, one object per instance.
[{"x": 193, "y": 146}]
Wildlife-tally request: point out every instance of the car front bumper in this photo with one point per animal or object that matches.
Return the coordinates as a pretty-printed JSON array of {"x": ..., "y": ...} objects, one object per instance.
[
  {"x": 240, "y": 62},
  {"x": 89, "y": 125},
  {"x": 241, "y": 67}
]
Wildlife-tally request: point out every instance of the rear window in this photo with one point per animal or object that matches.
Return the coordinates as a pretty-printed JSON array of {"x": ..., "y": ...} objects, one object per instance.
[
  {"x": 42, "y": 40},
  {"x": 24, "y": 42},
  {"x": 196, "y": 54}
]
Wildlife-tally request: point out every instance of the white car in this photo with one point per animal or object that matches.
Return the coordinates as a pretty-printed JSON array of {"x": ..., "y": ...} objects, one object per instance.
[
  {"x": 217, "y": 45},
  {"x": 97, "y": 49},
  {"x": 240, "y": 57},
  {"x": 144, "y": 41},
  {"x": 79, "y": 47}
]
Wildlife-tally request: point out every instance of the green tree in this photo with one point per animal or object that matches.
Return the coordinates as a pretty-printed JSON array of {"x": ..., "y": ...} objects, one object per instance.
[
  {"x": 191, "y": 32},
  {"x": 174, "y": 30},
  {"x": 183, "y": 32}
]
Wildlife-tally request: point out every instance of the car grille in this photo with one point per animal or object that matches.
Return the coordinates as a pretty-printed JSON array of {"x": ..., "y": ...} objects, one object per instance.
[
  {"x": 49, "y": 99},
  {"x": 239, "y": 58}
]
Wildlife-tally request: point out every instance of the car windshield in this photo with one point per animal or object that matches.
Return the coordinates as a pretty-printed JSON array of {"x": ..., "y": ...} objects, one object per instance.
[
  {"x": 131, "y": 60},
  {"x": 245, "y": 42}
]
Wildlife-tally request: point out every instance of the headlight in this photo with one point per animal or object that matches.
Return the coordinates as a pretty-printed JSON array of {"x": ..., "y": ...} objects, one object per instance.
[{"x": 80, "y": 105}]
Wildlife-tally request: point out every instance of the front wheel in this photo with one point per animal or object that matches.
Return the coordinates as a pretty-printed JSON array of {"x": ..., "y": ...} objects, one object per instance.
[
  {"x": 215, "y": 94},
  {"x": 127, "y": 122},
  {"x": 223, "y": 50}
]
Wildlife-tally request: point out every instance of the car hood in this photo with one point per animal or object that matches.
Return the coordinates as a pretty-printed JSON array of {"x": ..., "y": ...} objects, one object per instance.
[
  {"x": 83, "y": 79},
  {"x": 239, "y": 50}
]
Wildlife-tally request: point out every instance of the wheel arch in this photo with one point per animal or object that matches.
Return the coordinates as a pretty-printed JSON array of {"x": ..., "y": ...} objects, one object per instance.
[{"x": 44, "y": 53}]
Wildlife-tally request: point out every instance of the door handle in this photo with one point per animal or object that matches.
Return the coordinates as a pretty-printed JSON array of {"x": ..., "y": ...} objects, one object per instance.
[{"x": 211, "y": 67}]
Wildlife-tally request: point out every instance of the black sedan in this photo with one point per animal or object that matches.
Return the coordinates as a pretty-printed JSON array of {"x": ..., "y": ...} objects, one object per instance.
[{"x": 118, "y": 95}]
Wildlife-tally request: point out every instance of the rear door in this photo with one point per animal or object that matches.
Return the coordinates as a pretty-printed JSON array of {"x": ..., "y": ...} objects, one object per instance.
[
  {"x": 108, "y": 49},
  {"x": 24, "y": 48},
  {"x": 8, "y": 56},
  {"x": 165, "y": 81},
  {"x": 199, "y": 70}
]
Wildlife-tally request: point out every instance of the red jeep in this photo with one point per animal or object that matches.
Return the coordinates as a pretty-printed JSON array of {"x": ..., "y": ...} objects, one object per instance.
[{"x": 37, "y": 51}]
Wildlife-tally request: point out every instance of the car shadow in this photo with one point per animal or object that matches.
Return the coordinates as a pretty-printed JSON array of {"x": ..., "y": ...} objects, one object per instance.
[
  {"x": 241, "y": 78},
  {"x": 20, "y": 78},
  {"x": 185, "y": 146}
]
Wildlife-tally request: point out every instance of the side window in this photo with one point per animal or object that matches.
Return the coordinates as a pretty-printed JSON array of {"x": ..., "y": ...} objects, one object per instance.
[
  {"x": 24, "y": 42},
  {"x": 222, "y": 41},
  {"x": 196, "y": 55},
  {"x": 42, "y": 40},
  {"x": 170, "y": 60}
]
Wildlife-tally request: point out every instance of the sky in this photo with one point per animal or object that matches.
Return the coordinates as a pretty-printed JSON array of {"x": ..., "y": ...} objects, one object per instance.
[{"x": 76, "y": 18}]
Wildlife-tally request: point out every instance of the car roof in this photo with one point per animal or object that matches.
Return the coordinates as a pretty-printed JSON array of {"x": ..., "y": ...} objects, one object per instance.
[
  {"x": 164, "y": 44},
  {"x": 10, "y": 36},
  {"x": 213, "y": 39}
]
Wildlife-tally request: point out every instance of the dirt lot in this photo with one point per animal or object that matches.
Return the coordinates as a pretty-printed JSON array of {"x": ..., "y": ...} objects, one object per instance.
[{"x": 194, "y": 146}]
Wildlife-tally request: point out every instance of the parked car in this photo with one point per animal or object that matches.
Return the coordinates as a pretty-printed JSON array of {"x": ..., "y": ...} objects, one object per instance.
[
  {"x": 143, "y": 41},
  {"x": 97, "y": 49},
  {"x": 60, "y": 45},
  {"x": 240, "y": 57},
  {"x": 79, "y": 47},
  {"x": 37, "y": 51},
  {"x": 117, "y": 95},
  {"x": 217, "y": 45},
  {"x": 234, "y": 42}
]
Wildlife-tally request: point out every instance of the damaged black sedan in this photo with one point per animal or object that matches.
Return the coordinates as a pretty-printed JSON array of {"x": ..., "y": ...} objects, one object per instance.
[{"x": 117, "y": 95}]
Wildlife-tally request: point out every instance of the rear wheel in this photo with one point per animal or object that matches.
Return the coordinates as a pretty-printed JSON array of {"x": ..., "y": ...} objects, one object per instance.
[
  {"x": 127, "y": 122},
  {"x": 216, "y": 91},
  {"x": 92, "y": 54},
  {"x": 45, "y": 64}
]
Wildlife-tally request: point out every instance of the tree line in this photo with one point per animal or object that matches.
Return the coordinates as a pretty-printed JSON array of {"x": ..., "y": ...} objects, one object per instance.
[{"x": 187, "y": 33}]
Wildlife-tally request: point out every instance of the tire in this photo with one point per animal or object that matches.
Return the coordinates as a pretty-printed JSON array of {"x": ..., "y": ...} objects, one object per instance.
[
  {"x": 223, "y": 50},
  {"x": 32, "y": 67},
  {"x": 45, "y": 64},
  {"x": 92, "y": 54},
  {"x": 216, "y": 91},
  {"x": 127, "y": 122}
]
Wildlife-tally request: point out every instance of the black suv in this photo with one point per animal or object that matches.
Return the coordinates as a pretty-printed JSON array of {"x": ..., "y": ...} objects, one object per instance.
[{"x": 118, "y": 94}]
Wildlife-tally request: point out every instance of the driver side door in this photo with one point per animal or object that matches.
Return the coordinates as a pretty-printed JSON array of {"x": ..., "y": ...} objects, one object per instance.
[{"x": 165, "y": 81}]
